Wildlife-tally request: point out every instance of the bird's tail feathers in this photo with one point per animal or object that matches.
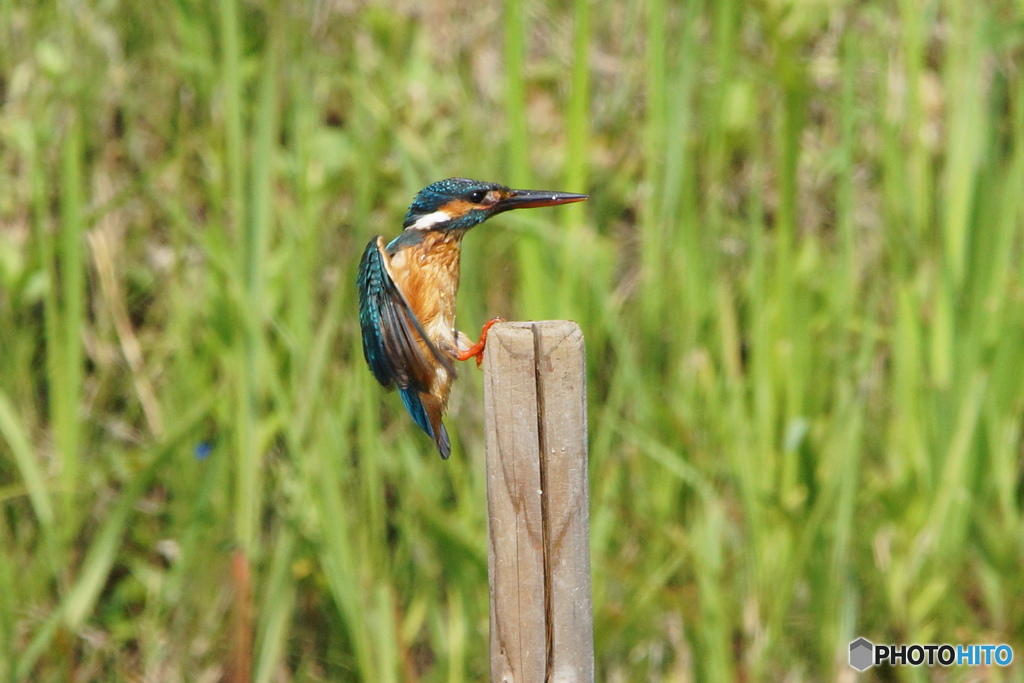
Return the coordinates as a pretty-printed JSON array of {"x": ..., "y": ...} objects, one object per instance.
[
  {"x": 444, "y": 444},
  {"x": 426, "y": 411}
]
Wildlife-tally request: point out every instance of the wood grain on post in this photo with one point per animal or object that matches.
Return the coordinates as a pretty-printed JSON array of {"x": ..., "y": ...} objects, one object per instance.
[{"x": 539, "y": 556}]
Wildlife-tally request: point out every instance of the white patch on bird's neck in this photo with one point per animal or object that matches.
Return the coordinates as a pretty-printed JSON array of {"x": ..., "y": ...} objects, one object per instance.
[{"x": 429, "y": 220}]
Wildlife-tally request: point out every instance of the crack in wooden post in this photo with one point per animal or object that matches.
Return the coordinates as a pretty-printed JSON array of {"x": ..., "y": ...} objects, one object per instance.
[
  {"x": 549, "y": 635},
  {"x": 538, "y": 552}
]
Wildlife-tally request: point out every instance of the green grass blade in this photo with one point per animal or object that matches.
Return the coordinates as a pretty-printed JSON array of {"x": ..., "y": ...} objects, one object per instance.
[
  {"x": 13, "y": 431},
  {"x": 71, "y": 259}
]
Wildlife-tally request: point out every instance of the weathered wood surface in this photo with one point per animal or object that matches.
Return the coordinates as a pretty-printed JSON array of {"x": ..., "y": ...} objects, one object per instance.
[{"x": 537, "y": 497}]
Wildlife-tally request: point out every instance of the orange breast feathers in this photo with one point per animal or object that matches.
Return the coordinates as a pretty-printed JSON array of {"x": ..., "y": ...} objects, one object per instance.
[{"x": 428, "y": 275}]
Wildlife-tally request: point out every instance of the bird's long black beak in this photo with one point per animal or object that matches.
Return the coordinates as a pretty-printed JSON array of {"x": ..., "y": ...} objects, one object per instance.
[{"x": 528, "y": 199}]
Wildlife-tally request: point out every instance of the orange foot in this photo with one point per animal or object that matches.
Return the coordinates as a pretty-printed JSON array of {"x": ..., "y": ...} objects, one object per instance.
[{"x": 477, "y": 350}]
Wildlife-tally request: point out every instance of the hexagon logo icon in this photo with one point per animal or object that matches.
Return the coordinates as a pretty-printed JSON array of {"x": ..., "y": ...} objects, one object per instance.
[{"x": 861, "y": 654}]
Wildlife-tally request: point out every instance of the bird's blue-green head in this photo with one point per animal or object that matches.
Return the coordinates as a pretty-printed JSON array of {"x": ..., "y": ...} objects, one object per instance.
[{"x": 461, "y": 203}]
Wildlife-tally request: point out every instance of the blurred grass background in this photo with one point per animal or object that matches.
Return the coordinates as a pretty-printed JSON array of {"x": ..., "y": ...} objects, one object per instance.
[{"x": 799, "y": 277}]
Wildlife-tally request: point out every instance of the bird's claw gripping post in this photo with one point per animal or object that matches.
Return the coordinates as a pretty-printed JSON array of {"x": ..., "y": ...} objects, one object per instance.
[{"x": 477, "y": 350}]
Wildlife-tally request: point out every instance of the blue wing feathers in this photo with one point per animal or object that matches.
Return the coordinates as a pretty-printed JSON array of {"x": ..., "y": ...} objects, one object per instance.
[
  {"x": 371, "y": 287},
  {"x": 390, "y": 328}
]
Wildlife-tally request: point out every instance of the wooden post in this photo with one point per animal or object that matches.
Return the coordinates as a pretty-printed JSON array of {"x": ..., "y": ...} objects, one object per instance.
[{"x": 539, "y": 558}]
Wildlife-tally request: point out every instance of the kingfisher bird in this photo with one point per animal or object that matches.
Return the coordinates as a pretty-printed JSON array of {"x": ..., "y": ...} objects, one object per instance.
[{"x": 407, "y": 292}]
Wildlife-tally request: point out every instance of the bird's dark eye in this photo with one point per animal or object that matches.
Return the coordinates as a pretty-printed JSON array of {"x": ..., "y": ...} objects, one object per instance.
[{"x": 477, "y": 196}]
